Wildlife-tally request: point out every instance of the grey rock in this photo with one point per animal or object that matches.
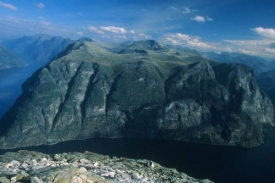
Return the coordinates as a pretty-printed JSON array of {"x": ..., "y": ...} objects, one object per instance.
[
  {"x": 84, "y": 161},
  {"x": 4, "y": 180},
  {"x": 36, "y": 180},
  {"x": 127, "y": 170}
]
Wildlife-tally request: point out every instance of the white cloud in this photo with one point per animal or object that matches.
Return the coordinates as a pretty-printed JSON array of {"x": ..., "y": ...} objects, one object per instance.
[
  {"x": 92, "y": 28},
  {"x": 45, "y": 23},
  {"x": 250, "y": 42},
  {"x": 187, "y": 10},
  {"x": 253, "y": 47},
  {"x": 266, "y": 32},
  {"x": 184, "y": 39},
  {"x": 132, "y": 31},
  {"x": 270, "y": 50},
  {"x": 201, "y": 19},
  {"x": 8, "y": 6},
  {"x": 40, "y": 5},
  {"x": 180, "y": 36},
  {"x": 172, "y": 40},
  {"x": 226, "y": 49},
  {"x": 95, "y": 29},
  {"x": 173, "y": 8},
  {"x": 144, "y": 36},
  {"x": 248, "y": 52},
  {"x": 209, "y": 19},
  {"x": 79, "y": 33},
  {"x": 114, "y": 29}
]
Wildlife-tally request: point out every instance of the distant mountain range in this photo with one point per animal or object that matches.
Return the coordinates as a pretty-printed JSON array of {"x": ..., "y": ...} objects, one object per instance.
[
  {"x": 40, "y": 49},
  {"x": 266, "y": 82},
  {"x": 145, "y": 90},
  {"x": 258, "y": 64},
  {"x": 271, "y": 65},
  {"x": 37, "y": 49},
  {"x": 9, "y": 60}
]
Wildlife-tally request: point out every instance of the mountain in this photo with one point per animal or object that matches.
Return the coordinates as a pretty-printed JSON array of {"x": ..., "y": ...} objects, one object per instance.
[
  {"x": 87, "y": 91},
  {"x": 38, "y": 49},
  {"x": 9, "y": 60},
  {"x": 271, "y": 65},
  {"x": 266, "y": 82},
  {"x": 185, "y": 49},
  {"x": 139, "y": 46},
  {"x": 116, "y": 47},
  {"x": 258, "y": 64},
  {"x": 159, "y": 51}
]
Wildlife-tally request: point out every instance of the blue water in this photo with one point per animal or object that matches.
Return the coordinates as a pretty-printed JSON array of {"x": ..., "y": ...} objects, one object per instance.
[
  {"x": 222, "y": 164},
  {"x": 10, "y": 84}
]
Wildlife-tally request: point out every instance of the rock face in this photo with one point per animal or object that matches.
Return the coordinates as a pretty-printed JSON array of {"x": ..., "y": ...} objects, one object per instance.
[
  {"x": 266, "y": 82},
  {"x": 9, "y": 60},
  {"x": 35, "y": 167},
  {"x": 89, "y": 92}
]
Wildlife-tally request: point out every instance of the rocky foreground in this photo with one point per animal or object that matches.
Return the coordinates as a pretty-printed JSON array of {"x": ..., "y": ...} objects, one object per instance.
[{"x": 35, "y": 167}]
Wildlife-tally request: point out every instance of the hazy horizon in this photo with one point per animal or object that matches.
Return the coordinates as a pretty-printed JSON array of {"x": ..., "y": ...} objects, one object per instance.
[{"x": 244, "y": 26}]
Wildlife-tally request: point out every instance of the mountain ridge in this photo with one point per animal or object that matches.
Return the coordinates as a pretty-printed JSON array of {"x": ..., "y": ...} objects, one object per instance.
[
  {"x": 39, "y": 49},
  {"x": 88, "y": 91},
  {"x": 9, "y": 60},
  {"x": 257, "y": 63}
]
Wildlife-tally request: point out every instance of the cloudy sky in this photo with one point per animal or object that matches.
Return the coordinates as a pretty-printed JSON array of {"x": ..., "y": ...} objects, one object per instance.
[{"x": 246, "y": 26}]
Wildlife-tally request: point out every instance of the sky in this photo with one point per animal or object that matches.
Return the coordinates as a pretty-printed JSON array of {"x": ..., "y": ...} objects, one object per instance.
[{"x": 244, "y": 26}]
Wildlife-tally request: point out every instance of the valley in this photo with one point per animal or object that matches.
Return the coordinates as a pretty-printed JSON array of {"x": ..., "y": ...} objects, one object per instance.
[{"x": 147, "y": 90}]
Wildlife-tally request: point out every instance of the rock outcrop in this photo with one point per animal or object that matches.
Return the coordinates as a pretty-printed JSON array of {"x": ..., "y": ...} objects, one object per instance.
[
  {"x": 35, "y": 167},
  {"x": 89, "y": 92}
]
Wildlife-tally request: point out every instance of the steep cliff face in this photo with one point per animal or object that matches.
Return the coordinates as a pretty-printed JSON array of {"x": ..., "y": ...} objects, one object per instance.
[
  {"x": 226, "y": 101},
  {"x": 90, "y": 92}
]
